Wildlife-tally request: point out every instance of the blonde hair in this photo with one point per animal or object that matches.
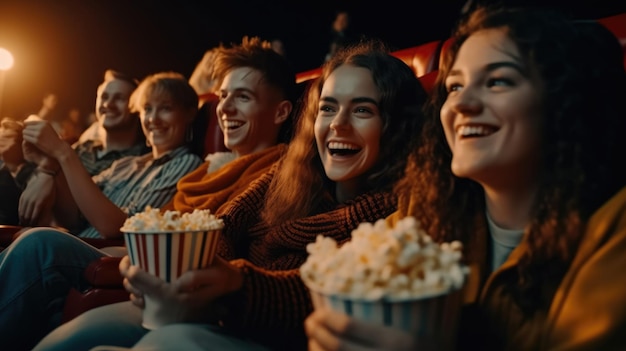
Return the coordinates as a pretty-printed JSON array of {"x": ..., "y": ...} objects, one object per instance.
[{"x": 165, "y": 84}]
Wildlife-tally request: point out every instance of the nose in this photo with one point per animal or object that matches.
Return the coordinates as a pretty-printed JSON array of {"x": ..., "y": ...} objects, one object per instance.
[
  {"x": 466, "y": 101},
  {"x": 225, "y": 105},
  {"x": 341, "y": 120},
  {"x": 150, "y": 115},
  {"x": 105, "y": 102}
]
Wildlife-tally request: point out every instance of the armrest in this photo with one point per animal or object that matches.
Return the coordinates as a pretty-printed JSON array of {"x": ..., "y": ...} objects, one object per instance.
[
  {"x": 106, "y": 287},
  {"x": 104, "y": 272}
]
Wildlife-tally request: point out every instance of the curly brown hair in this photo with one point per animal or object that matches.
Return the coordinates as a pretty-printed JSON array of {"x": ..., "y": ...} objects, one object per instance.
[
  {"x": 580, "y": 64},
  {"x": 298, "y": 187}
]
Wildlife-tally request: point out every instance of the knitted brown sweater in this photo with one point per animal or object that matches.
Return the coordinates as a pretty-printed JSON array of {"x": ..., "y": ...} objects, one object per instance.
[{"x": 274, "y": 302}]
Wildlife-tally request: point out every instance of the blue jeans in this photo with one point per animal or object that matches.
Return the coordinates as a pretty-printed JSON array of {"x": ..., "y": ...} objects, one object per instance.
[
  {"x": 116, "y": 324},
  {"x": 119, "y": 324},
  {"x": 36, "y": 272}
]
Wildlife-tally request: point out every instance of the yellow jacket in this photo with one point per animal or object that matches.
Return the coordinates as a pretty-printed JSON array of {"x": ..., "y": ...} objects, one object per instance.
[{"x": 588, "y": 311}]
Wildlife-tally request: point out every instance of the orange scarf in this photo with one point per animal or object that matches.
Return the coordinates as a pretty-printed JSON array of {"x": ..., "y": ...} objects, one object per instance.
[{"x": 202, "y": 190}]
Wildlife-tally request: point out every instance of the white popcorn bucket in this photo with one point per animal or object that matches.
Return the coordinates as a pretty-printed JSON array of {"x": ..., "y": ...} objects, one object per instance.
[
  {"x": 432, "y": 319},
  {"x": 168, "y": 255}
]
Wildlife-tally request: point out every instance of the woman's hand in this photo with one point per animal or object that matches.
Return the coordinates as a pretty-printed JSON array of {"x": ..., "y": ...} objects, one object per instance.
[
  {"x": 189, "y": 298},
  {"x": 126, "y": 270},
  {"x": 219, "y": 279},
  {"x": 328, "y": 330},
  {"x": 40, "y": 134}
]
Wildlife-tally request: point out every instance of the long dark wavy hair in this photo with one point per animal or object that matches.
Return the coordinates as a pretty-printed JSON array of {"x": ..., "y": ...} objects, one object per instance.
[
  {"x": 301, "y": 182},
  {"x": 581, "y": 68}
]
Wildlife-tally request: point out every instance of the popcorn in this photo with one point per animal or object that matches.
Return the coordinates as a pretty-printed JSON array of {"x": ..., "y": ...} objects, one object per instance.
[
  {"x": 383, "y": 262},
  {"x": 153, "y": 220}
]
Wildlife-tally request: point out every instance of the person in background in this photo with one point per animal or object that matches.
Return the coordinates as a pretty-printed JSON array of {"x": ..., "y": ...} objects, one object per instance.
[
  {"x": 279, "y": 46},
  {"x": 72, "y": 126},
  {"x": 11, "y": 159},
  {"x": 131, "y": 183},
  {"x": 257, "y": 90},
  {"x": 122, "y": 136},
  {"x": 338, "y": 171},
  {"x": 14, "y": 170},
  {"x": 203, "y": 79},
  {"x": 31, "y": 307},
  {"x": 518, "y": 161},
  {"x": 49, "y": 111},
  {"x": 341, "y": 34}
]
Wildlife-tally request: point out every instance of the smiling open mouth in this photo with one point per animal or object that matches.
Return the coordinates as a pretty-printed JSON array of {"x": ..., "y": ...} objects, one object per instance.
[
  {"x": 342, "y": 149},
  {"x": 232, "y": 125},
  {"x": 475, "y": 131}
]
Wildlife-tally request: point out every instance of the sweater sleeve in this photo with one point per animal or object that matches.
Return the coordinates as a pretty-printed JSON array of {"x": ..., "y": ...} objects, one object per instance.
[
  {"x": 243, "y": 211},
  {"x": 274, "y": 306},
  {"x": 338, "y": 223},
  {"x": 274, "y": 300}
]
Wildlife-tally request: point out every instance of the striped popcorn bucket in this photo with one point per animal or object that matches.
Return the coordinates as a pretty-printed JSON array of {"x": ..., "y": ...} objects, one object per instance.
[
  {"x": 168, "y": 255},
  {"x": 432, "y": 319}
]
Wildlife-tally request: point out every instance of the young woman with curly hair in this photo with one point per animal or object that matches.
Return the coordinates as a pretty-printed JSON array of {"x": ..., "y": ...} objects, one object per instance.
[{"x": 518, "y": 161}]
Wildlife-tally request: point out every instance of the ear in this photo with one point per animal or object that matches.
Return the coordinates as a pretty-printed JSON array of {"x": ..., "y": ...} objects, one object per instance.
[{"x": 282, "y": 111}]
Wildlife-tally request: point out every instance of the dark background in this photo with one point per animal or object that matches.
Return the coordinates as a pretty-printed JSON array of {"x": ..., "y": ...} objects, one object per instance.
[{"x": 64, "y": 46}]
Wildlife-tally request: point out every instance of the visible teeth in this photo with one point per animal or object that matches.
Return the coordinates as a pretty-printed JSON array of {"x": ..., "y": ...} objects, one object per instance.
[
  {"x": 474, "y": 130},
  {"x": 232, "y": 124},
  {"x": 342, "y": 146}
]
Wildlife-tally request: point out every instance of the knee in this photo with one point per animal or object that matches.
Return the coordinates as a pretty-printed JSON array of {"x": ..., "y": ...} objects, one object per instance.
[
  {"x": 34, "y": 238},
  {"x": 108, "y": 324}
]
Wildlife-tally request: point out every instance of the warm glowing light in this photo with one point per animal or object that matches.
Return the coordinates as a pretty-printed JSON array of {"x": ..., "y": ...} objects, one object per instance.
[{"x": 6, "y": 59}]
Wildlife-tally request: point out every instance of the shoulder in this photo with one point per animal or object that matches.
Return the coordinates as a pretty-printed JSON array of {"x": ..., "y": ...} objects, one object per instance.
[
  {"x": 130, "y": 161},
  {"x": 605, "y": 235},
  {"x": 608, "y": 224},
  {"x": 611, "y": 216},
  {"x": 85, "y": 145},
  {"x": 136, "y": 150},
  {"x": 183, "y": 158},
  {"x": 595, "y": 280}
]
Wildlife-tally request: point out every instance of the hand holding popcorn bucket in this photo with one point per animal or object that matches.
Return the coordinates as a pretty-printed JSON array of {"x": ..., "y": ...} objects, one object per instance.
[
  {"x": 169, "y": 244},
  {"x": 395, "y": 277}
]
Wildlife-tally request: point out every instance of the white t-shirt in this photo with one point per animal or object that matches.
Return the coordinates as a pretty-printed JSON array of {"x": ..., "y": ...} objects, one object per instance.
[{"x": 503, "y": 241}]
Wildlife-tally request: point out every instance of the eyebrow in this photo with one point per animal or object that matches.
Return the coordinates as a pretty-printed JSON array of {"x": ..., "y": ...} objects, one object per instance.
[
  {"x": 355, "y": 100},
  {"x": 241, "y": 89},
  {"x": 495, "y": 65}
]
